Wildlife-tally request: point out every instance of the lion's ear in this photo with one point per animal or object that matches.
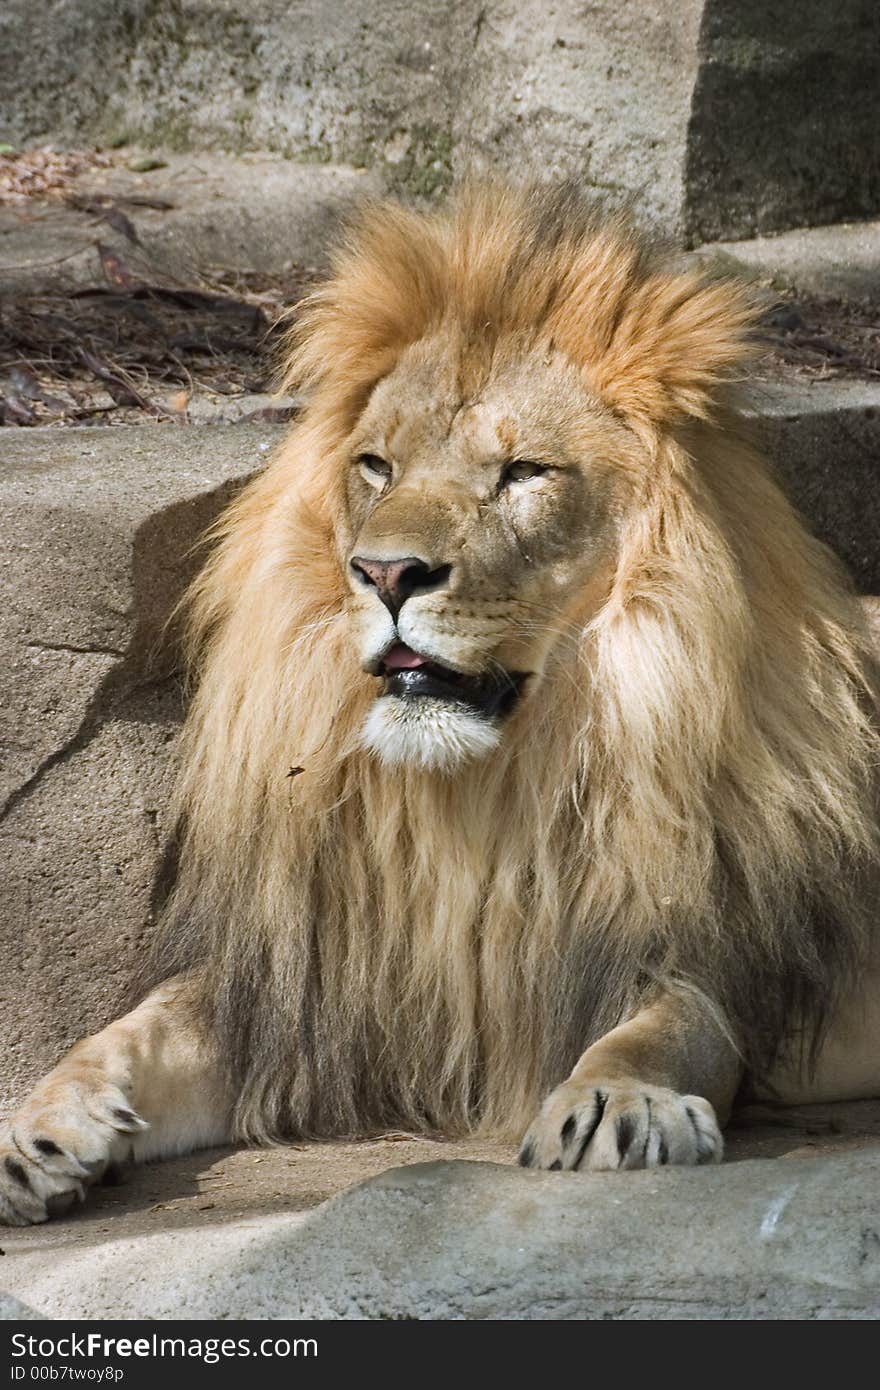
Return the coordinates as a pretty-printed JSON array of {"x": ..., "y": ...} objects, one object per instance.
[{"x": 669, "y": 344}]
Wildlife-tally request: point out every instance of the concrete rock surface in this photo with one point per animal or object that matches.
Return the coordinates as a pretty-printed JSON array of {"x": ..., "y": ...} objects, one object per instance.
[
  {"x": 11, "y": 1310},
  {"x": 255, "y": 212},
  {"x": 823, "y": 440},
  {"x": 839, "y": 260},
  {"x": 221, "y": 1186},
  {"x": 96, "y": 537},
  {"x": 759, "y": 1239},
  {"x": 783, "y": 117},
  {"x": 718, "y": 118}
]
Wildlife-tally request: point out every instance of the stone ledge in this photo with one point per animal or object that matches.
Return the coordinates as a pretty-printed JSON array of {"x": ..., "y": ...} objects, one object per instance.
[
  {"x": 823, "y": 439},
  {"x": 11, "y": 1310},
  {"x": 96, "y": 532},
  {"x": 843, "y": 259},
  {"x": 251, "y": 212},
  {"x": 796, "y": 1238}
]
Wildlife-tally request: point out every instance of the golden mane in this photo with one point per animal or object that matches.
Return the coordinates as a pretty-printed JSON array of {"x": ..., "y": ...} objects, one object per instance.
[{"x": 692, "y": 801}]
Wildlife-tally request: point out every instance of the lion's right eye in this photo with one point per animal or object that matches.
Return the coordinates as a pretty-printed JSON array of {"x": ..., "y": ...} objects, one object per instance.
[
  {"x": 374, "y": 466},
  {"x": 521, "y": 470}
]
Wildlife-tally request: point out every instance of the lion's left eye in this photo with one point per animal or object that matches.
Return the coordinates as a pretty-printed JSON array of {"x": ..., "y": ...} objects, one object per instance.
[{"x": 520, "y": 470}]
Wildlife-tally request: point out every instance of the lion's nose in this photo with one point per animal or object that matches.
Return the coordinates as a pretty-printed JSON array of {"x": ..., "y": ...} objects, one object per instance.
[{"x": 396, "y": 580}]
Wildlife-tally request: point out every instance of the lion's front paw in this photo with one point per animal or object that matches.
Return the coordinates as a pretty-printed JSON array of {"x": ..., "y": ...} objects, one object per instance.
[
  {"x": 62, "y": 1139},
  {"x": 620, "y": 1126}
]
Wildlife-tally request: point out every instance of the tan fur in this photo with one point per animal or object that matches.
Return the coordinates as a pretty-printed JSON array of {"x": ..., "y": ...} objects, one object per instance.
[{"x": 667, "y": 858}]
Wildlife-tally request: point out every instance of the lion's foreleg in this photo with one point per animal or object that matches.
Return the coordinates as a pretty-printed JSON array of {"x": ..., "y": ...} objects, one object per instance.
[
  {"x": 650, "y": 1092},
  {"x": 149, "y": 1085}
]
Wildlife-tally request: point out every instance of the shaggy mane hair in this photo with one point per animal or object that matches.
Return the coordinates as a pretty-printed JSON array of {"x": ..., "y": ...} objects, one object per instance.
[{"x": 691, "y": 802}]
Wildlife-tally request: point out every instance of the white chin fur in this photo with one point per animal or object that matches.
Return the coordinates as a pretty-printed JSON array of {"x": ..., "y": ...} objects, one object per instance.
[{"x": 427, "y": 734}]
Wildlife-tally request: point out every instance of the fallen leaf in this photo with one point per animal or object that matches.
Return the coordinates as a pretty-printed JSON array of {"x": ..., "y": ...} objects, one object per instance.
[{"x": 115, "y": 269}]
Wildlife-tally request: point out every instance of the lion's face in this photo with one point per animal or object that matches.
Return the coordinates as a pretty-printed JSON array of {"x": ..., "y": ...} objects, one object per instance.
[{"x": 480, "y": 523}]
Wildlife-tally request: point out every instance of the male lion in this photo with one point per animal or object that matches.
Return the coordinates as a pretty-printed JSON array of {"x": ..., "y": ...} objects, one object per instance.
[{"x": 532, "y": 749}]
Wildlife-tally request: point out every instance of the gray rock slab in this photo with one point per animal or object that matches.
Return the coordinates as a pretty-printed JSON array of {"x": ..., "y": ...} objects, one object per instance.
[
  {"x": 248, "y": 212},
  {"x": 717, "y": 119},
  {"x": 600, "y": 93},
  {"x": 823, "y": 439},
  {"x": 784, "y": 117},
  {"x": 451, "y": 1240},
  {"x": 401, "y": 86},
  {"x": 12, "y": 1310},
  {"x": 96, "y": 537},
  {"x": 264, "y": 212},
  {"x": 221, "y": 1186},
  {"x": 841, "y": 260}
]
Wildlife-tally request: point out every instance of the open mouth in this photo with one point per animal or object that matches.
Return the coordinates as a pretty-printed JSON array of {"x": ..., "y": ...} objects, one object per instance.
[{"x": 409, "y": 675}]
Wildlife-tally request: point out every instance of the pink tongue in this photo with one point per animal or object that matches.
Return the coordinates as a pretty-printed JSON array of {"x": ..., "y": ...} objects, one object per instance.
[{"x": 401, "y": 658}]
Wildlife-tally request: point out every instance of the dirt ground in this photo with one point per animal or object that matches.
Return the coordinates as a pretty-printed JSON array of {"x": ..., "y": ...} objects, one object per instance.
[{"x": 139, "y": 349}]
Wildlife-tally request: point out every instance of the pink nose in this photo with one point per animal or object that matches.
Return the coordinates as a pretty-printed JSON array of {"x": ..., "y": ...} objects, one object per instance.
[{"x": 395, "y": 580}]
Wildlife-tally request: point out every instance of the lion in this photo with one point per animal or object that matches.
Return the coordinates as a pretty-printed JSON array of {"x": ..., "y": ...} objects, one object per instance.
[{"x": 529, "y": 785}]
